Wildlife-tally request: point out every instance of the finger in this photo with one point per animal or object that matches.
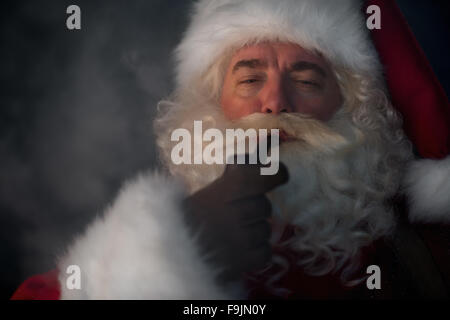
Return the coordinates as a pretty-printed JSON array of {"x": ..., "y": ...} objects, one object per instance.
[
  {"x": 253, "y": 157},
  {"x": 264, "y": 147},
  {"x": 248, "y": 181},
  {"x": 238, "y": 160}
]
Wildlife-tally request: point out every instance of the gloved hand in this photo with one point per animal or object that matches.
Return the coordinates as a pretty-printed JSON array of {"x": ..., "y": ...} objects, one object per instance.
[{"x": 230, "y": 217}]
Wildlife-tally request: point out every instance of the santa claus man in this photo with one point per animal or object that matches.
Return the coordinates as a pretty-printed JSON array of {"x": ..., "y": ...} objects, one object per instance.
[{"x": 335, "y": 209}]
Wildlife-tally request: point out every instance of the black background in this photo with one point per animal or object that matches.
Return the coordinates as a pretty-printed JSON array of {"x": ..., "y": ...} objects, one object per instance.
[{"x": 76, "y": 110}]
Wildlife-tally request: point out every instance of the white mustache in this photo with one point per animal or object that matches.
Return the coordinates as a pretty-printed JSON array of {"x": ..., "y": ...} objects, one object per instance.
[{"x": 298, "y": 127}]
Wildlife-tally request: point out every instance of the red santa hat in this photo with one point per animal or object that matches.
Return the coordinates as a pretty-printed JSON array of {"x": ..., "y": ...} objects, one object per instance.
[
  {"x": 417, "y": 94},
  {"x": 338, "y": 30}
]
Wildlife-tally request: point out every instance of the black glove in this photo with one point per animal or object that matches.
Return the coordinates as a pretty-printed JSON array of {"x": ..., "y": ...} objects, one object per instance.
[{"x": 230, "y": 217}]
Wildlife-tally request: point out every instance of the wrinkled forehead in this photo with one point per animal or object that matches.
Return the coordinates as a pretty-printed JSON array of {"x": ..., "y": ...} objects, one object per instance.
[{"x": 266, "y": 54}]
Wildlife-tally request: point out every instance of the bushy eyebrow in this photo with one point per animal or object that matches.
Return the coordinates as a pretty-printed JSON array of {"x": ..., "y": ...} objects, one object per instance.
[
  {"x": 305, "y": 65},
  {"x": 253, "y": 64}
]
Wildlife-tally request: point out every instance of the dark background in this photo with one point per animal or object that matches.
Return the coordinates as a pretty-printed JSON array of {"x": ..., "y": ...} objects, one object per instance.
[{"x": 76, "y": 110}]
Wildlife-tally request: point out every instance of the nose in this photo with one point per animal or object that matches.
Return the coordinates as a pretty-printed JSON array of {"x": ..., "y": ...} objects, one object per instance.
[{"x": 275, "y": 98}]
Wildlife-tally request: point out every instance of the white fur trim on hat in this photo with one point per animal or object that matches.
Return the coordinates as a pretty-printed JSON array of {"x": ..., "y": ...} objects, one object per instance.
[
  {"x": 336, "y": 28},
  {"x": 427, "y": 186}
]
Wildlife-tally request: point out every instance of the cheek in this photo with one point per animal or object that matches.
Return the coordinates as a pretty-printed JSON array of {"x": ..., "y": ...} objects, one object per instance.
[
  {"x": 326, "y": 112},
  {"x": 321, "y": 108},
  {"x": 234, "y": 107},
  {"x": 331, "y": 105}
]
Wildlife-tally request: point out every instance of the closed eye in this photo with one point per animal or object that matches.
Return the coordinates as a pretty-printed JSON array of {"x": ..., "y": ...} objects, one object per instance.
[
  {"x": 248, "y": 81},
  {"x": 311, "y": 83}
]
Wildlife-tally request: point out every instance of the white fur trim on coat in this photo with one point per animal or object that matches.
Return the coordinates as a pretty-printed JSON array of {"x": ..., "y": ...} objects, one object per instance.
[
  {"x": 427, "y": 186},
  {"x": 140, "y": 249},
  {"x": 336, "y": 28}
]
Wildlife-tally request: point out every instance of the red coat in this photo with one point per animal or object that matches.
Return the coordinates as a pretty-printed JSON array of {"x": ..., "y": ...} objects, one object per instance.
[{"x": 39, "y": 287}]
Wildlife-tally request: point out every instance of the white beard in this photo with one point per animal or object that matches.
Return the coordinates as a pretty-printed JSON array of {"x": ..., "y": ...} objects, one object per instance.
[{"x": 334, "y": 196}]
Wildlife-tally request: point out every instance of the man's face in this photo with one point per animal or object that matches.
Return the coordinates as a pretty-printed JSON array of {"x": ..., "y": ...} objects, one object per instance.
[
  {"x": 327, "y": 157},
  {"x": 279, "y": 77}
]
